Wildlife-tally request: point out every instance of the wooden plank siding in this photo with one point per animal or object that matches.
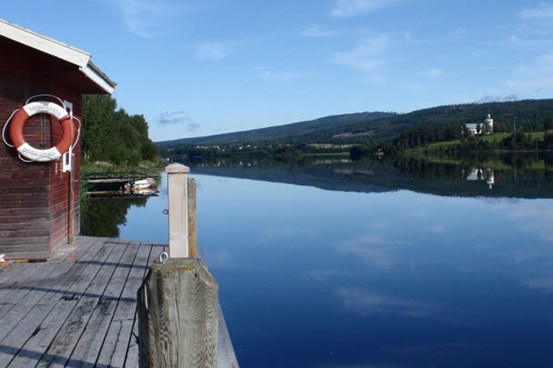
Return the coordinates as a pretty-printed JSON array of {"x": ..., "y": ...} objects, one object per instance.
[
  {"x": 79, "y": 308},
  {"x": 39, "y": 204}
]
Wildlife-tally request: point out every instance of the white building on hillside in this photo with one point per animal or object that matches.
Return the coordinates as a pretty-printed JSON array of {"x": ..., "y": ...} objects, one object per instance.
[{"x": 485, "y": 128}]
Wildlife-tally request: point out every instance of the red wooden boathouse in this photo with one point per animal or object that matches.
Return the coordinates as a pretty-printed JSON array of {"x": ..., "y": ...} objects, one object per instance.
[{"x": 39, "y": 201}]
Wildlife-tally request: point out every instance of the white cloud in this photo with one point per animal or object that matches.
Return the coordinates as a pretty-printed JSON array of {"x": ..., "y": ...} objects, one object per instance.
[
  {"x": 432, "y": 73},
  {"x": 459, "y": 31},
  {"x": 368, "y": 54},
  {"x": 535, "y": 79},
  {"x": 535, "y": 30},
  {"x": 214, "y": 50},
  {"x": 281, "y": 76},
  {"x": 352, "y": 8},
  {"x": 530, "y": 42},
  {"x": 317, "y": 31},
  {"x": 142, "y": 17},
  {"x": 543, "y": 11},
  {"x": 365, "y": 55},
  {"x": 545, "y": 59}
]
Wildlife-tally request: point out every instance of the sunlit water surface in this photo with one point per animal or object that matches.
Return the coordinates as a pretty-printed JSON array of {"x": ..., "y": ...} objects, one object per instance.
[{"x": 315, "y": 278}]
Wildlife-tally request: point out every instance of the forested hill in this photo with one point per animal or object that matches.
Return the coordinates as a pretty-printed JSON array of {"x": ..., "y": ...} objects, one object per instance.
[
  {"x": 306, "y": 131},
  {"x": 378, "y": 126}
]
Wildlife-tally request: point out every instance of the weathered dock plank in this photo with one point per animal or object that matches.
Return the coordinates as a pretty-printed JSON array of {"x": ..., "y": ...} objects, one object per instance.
[
  {"x": 119, "y": 335},
  {"x": 131, "y": 360},
  {"x": 30, "y": 295},
  {"x": 91, "y": 341},
  {"x": 60, "y": 350},
  {"x": 79, "y": 308},
  {"x": 48, "y": 317},
  {"x": 10, "y": 294},
  {"x": 10, "y": 282}
]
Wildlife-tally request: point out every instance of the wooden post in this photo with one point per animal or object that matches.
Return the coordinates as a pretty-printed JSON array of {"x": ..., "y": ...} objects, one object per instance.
[
  {"x": 177, "y": 193},
  {"x": 178, "y": 316},
  {"x": 192, "y": 218}
]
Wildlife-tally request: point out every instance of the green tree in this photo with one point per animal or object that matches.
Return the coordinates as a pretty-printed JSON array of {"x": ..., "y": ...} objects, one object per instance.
[{"x": 111, "y": 134}]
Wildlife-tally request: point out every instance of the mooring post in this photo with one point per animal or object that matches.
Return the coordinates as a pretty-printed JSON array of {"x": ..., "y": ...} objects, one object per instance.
[
  {"x": 178, "y": 306},
  {"x": 178, "y": 316},
  {"x": 177, "y": 193}
]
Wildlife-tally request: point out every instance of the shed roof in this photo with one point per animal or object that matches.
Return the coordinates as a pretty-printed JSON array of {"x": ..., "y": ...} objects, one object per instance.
[{"x": 62, "y": 51}]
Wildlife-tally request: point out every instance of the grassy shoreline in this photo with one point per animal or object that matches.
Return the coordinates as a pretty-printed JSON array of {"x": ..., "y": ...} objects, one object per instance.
[{"x": 149, "y": 168}]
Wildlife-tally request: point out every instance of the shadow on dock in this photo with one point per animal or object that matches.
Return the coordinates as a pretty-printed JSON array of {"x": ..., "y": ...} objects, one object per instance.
[{"x": 79, "y": 308}]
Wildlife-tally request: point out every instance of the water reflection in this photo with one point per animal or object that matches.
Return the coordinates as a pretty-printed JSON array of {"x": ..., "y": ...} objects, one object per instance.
[
  {"x": 103, "y": 217},
  {"x": 365, "y": 303},
  {"x": 480, "y": 174},
  {"x": 404, "y": 263},
  {"x": 522, "y": 175},
  {"x": 341, "y": 279}
]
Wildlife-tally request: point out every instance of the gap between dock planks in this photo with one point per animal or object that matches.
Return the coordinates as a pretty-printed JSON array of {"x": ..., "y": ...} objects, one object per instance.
[{"x": 79, "y": 308}]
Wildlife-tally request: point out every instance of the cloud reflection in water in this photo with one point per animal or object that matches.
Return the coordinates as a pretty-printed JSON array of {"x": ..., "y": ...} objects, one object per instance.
[{"x": 366, "y": 303}]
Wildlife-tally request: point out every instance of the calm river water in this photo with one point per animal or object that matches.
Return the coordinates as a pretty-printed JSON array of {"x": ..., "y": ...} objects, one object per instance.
[{"x": 336, "y": 264}]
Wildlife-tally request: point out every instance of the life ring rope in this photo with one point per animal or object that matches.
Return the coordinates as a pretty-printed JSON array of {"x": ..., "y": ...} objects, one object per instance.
[
  {"x": 23, "y": 158},
  {"x": 19, "y": 117},
  {"x": 44, "y": 95},
  {"x": 78, "y": 132},
  {"x": 4, "y": 129}
]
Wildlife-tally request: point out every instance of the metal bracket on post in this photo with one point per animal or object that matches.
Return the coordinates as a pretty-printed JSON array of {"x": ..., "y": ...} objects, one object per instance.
[{"x": 177, "y": 196}]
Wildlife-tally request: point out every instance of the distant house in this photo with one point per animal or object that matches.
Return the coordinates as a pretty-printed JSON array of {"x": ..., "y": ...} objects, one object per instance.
[
  {"x": 39, "y": 192},
  {"x": 481, "y": 128}
]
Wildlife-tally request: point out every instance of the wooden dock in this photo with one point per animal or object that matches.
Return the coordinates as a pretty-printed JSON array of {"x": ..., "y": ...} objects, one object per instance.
[{"x": 79, "y": 308}]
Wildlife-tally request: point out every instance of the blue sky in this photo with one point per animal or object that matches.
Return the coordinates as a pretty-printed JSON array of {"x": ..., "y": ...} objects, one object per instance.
[{"x": 201, "y": 67}]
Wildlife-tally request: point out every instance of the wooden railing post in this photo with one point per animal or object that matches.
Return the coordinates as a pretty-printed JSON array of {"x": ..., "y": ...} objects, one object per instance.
[
  {"x": 177, "y": 193},
  {"x": 192, "y": 218}
]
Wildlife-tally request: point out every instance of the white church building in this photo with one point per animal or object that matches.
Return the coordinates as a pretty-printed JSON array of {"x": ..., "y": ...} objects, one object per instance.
[{"x": 485, "y": 128}]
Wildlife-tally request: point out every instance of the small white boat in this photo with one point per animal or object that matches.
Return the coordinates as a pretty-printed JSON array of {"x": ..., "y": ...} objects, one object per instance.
[{"x": 143, "y": 184}]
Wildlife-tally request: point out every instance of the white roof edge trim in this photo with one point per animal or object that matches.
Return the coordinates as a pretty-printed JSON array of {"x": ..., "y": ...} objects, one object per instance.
[
  {"x": 43, "y": 43},
  {"x": 90, "y": 73}
]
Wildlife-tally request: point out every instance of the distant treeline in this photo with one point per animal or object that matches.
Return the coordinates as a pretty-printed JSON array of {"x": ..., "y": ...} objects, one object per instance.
[
  {"x": 426, "y": 134},
  {"x": 286, "y": 151},
  {"x": 110, "y": 134},
  {"x": 389, "y": 132},
  {"x": 336, "y": 129},
  {"x": 508, "y": 135}
]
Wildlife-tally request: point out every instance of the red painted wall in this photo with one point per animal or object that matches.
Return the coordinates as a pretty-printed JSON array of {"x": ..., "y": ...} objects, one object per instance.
[{"x": 39, "y": 204}]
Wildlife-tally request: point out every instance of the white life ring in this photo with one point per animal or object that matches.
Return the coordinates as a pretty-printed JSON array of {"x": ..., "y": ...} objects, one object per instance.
[{"x": 41, "y": 155}]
